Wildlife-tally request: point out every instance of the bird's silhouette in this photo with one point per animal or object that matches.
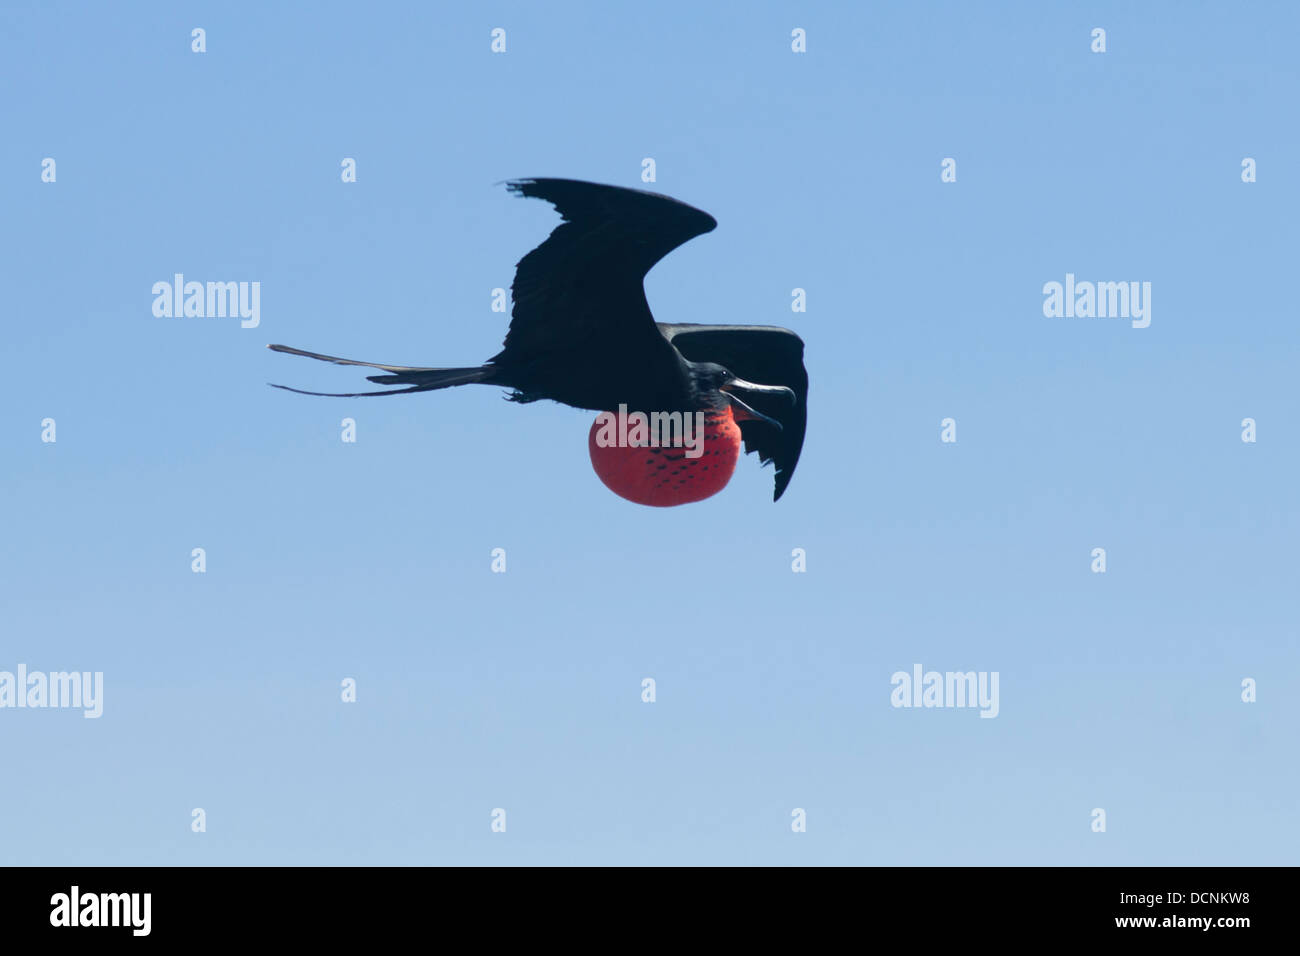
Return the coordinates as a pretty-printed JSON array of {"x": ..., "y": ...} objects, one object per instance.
[{"x": 581, "y": 333}]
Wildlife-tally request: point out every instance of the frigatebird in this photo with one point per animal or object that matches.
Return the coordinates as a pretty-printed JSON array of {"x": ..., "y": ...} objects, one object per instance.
[{"x": 581, "y": 333}]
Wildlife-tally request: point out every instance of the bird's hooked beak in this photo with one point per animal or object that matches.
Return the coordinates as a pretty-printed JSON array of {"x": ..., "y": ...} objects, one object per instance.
[{"x": 750, "y": 388}]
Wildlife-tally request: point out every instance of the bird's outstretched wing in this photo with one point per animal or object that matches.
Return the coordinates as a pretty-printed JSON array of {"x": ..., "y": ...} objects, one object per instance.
[
  {"x": 766, "y": 354},
  {"x": 584, "y": 282}
]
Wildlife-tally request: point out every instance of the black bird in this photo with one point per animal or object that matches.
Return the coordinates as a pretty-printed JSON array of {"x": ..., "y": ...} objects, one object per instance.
[{"x": 581, "y": 333}]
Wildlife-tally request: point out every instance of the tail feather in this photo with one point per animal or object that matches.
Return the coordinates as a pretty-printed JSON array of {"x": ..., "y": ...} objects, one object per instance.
[
  {"x": 421, "y": 379},
  {"x": 432, "y": 377},
  {"x": 391, "y": 391}
]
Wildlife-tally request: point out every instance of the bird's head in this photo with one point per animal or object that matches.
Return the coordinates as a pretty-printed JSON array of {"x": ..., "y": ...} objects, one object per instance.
[{"x": 718, "y": 386}]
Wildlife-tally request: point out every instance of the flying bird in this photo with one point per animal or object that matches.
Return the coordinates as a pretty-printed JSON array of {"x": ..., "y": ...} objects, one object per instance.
[{"x": 581, "y": 333}]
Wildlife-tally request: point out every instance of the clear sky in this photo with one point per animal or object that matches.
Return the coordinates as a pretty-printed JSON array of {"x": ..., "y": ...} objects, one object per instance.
[{"x": 371, "y": 560}]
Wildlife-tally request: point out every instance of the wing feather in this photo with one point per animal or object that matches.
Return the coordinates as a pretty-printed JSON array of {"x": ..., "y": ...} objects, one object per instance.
[{"x": 767, "y": 355}]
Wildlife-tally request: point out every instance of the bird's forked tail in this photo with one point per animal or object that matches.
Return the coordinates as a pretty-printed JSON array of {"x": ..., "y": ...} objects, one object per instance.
[{"x": 420, "y": 379}]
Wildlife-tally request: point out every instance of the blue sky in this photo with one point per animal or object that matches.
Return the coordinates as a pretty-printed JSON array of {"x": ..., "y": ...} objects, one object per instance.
[{"x": 522, "y": 690}]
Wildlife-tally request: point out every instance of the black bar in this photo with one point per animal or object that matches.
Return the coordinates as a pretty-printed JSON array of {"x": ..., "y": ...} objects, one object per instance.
[{"x": 973, "y": 904}]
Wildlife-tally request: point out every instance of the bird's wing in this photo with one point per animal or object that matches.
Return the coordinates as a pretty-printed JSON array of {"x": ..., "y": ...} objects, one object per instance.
[
  {"x": 767, "y": 355},
  {"x": 585, "y": 281}
]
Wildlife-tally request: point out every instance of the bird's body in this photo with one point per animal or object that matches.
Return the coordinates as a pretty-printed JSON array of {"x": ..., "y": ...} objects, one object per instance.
[{"x": 582, "y": 334}]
